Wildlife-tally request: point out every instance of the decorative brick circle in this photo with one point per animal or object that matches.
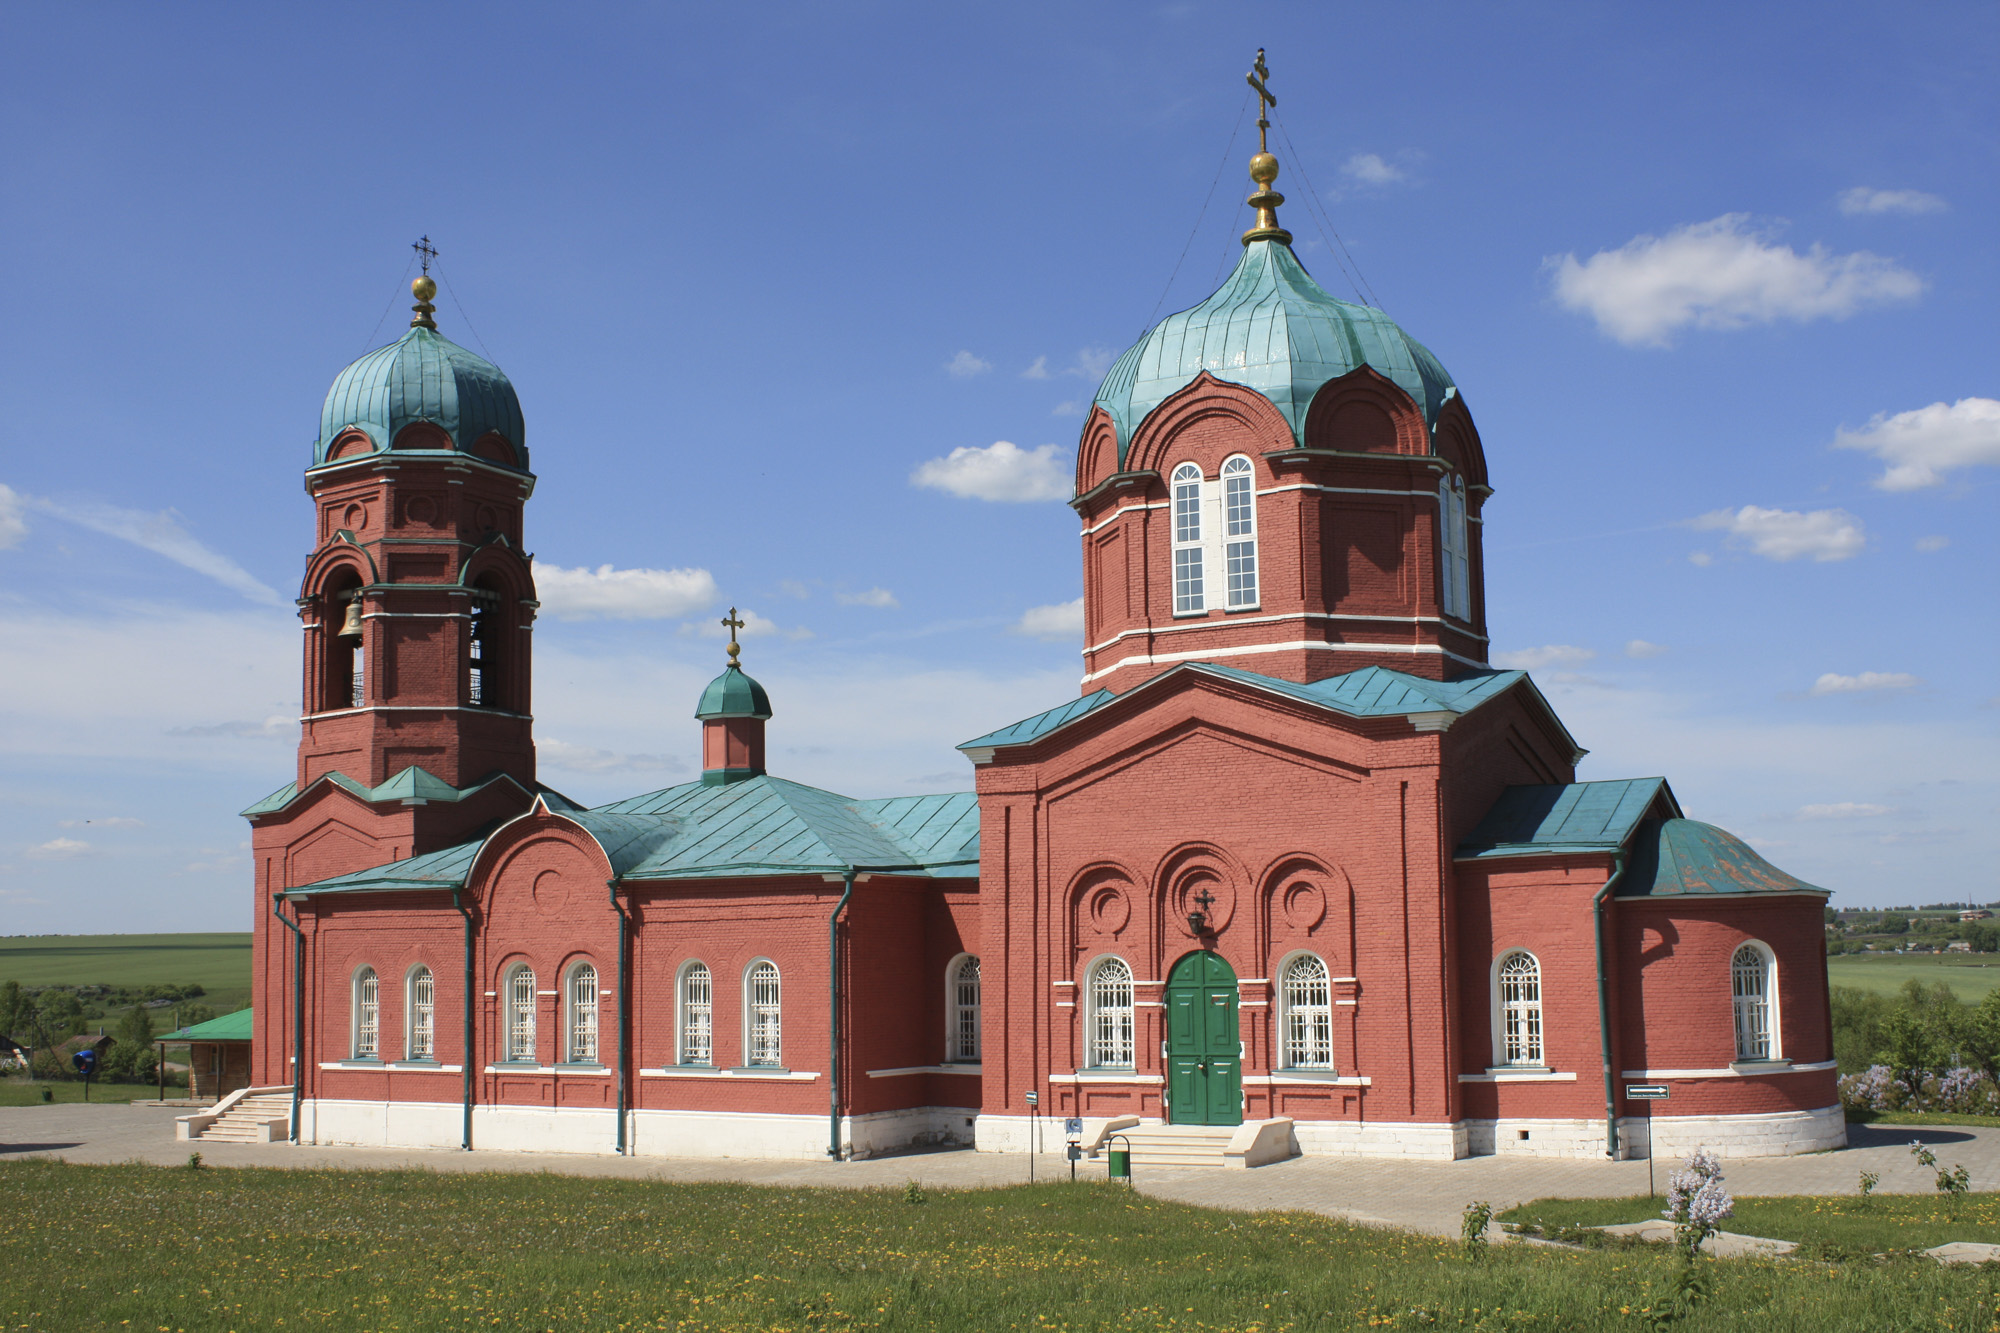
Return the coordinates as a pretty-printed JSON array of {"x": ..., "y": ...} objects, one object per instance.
[
  {"x": 1304, "y": 904},
  {"x": 551, "y": 892},
  {"x": 1110, "y": 909}
]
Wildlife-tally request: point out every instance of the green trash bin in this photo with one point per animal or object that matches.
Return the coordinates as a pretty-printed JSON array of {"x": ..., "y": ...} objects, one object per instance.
[{"x": 1121, "y": 1163}]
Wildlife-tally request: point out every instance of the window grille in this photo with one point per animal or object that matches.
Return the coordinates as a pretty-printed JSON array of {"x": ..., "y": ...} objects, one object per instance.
[
  {"x": 357, "y": 674},
  {"x": 1454, "y": 553},
  {"x": 367, "y": 1014},
  {"x": 423, "y": 1015},
  {"x": 583, "y": 1014},
  {"x": 483, "y": 676},
  {"x": 1239, "y": 503},
  {"x": 1750, "y": 980},
  {"x": 965, "y": 1010},
  {"x": 521, "y": 1014},
  {"x": 1188, "y": 595},
  {"x": 1111, "y": 1014},
  {"x": 766, "y": 1019},
  {"x": 1520, "y": 1009},
  {"x": 697, "y": 1016},
  {"x": 1308, "y": 997}
]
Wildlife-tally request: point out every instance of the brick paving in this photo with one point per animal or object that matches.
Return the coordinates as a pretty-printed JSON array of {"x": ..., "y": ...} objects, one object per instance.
[{"x": 1419, "y": 1196}]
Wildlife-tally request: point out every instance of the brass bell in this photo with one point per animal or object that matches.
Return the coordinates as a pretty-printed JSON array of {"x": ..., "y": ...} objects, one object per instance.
[{"x": 350, "y": 627}]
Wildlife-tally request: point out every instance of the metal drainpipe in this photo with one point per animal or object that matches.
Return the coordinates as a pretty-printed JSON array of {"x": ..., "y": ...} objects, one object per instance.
[
  {"x": 298, "y": 1010},
  {"x": 465, "y": 1057},
  {"x": 624, "y": 1026},
  {"x": 833, "y": 1009},
  {"x": 1604, "y": 1007}
]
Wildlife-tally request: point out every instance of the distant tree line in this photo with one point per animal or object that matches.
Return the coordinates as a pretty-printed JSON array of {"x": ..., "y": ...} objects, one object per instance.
[{"x": 44, "y": 1018}]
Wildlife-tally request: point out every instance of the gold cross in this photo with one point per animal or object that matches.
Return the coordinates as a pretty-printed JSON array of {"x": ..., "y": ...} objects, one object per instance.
[
  {"x": 1265, "y": 101},
  {"x": 734, "y": 626}
]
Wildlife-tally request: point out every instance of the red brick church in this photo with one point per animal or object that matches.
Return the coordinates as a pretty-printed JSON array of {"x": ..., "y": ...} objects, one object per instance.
[{"x": 1297, "y": 871}]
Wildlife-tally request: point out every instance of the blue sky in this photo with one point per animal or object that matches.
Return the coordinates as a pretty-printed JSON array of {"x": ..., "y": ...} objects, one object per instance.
[{"x": 1720, "y": 285}]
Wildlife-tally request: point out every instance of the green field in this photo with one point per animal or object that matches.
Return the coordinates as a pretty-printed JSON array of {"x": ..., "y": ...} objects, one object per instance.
[
  {"x": 1970, "y": 976},
  {"x": 146, "y": 1247},
  {"x": 1865, "y": 1226},
  {"x": 219, "y": 963}
]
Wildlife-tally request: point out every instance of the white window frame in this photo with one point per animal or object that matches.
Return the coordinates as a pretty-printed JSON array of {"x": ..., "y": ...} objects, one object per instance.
[
  {"x": 1186, "y": 501},
  {"x": 1744, "y": 1006},
  {"x": 688, "y": 1009},
  {"x": 366, "y": 1034},
  {"x": 1312, "y": 1046},
  {"x": 961, "y": 1017},
  {"x": 1526, "y": 1048},
  {"x": 1238, "y": 533},
  {"x": 420, "y": 1013},
  {"x": 519, "y": 1040},
  {"x": 758, "y": 1052},
  {"x": 1110, "y": 1028},
  {"x": 1454, "y": 554},
  {"x": 580, "y": 1010}
]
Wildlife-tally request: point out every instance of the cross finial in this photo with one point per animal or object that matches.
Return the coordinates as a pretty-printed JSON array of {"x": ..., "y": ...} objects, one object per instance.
[
  {"x": 1265, "y": 101},
  {"x": 734, "y": 625},
  {"x": 427, "y": 252},
  {"x": 423, "y": 287},
  {"x": 1264, "y": 167}
]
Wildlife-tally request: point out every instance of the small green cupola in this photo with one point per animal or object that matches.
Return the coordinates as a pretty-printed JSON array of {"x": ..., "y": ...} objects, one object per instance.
[{"x": 732, "y": 713}]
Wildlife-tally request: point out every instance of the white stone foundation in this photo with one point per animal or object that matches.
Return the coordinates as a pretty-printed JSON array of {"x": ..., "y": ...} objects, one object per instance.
[
  {"x": 1772, "y": 1134},
  {"x": 1354, "y": 1138}
]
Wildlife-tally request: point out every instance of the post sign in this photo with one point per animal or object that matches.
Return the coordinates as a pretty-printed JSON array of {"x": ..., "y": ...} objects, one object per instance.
[
  {"x": 1073, "y": 1127},
  {"x": 1646, "y": 1092},
  {"x": 1033, "y": 1098}
]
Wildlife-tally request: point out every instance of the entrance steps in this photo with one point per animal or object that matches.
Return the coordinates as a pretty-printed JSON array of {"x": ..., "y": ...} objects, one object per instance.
[
  {"x": 1252, "y": 1143},
  {"x": 254, "y": 1115}
]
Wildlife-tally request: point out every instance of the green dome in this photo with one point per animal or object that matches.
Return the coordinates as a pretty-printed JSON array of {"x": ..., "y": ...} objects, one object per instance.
[
  {"x": 1271, "y": 328},
  {"x": 733, "y": 694},
  {"x": 422, "y": 376}
]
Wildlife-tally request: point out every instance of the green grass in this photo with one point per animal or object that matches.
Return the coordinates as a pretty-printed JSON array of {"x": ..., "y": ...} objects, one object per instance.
[
  {"x": 28, "y": 1092},
  {"x": 1860, "y": 1117},
  {"x": 1970, "y": 976},
  {"x": 1842, "y": 1222},
  {"x": 219, "y": 963},
  {"x": 139, "y": 1247}
]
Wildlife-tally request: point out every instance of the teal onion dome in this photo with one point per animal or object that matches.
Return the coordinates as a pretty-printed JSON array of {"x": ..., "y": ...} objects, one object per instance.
[
  {"x": 423, "y": 376},
  {"x": 733, "y": 694},
  {"x": 1271, "y": 328}
]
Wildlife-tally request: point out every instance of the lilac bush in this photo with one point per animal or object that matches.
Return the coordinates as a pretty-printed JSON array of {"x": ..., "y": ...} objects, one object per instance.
[
  {"x": 1962, "y": 1090},
  {"x": 1696, "y": 1201}
]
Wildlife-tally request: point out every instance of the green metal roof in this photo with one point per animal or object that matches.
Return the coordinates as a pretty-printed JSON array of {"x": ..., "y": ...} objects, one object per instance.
[
  {"x": 733, "y": 694},
  {"x": 1271, "y": 328},
  {"x": 422, "y": 376},
  {"x": 1678, "y": 857},
  {"x": 411, "y": 784},
  {"x": 1565, "y": 818},
  {"x": 229, "y": 1027}
]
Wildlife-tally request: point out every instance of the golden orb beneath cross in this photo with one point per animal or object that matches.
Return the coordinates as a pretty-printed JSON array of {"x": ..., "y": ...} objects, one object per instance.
[
  {"x": 423, "y": 288},
  {"x": 1263, "y": 168}
]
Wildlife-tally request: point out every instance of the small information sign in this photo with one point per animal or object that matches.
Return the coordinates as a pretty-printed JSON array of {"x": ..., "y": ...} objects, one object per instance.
[
  {"x": 1646, "y": 1092},
  {"x": 1033, "y": 1098},
  {"x": 1073, "y": 1127}
]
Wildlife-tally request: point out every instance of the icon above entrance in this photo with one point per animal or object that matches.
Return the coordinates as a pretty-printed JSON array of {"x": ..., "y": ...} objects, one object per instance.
[{"x": 1204, "y": 1050}]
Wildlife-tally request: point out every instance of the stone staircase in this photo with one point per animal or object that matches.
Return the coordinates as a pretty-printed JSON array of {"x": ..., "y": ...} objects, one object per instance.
[
  {"x": 1253, "y": 1143},
  {"x": 254, "y": 1115}
]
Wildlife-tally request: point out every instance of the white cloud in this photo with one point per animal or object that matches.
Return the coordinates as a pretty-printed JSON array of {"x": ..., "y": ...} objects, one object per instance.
[
  {"x": 112, "y": 821},
  {"x": 965, "y": 365},
  {"x": 1072, "y": 407},
  {"x": 1639, "y": 648},
  {"x": 1861, "y": 199},
  {"x": 1842, "y": 810},
  {"x": 1932, "y": 543},
  {"x": 606, "y": 593},
  {"x": 1721, "y": 274},
  {"x": 1092, "y": 362},
  {"x": 1835, "y": 683},
  {"x": 881, "y": 597},
  {"x": 59, "y": 849},
  {"x": 553, "y": 753},
  {"x": 161, "y": 533},
  {"x": 1922, "y": 444},
  {"x": 1701, "y": 558},
  {"x": 13, "y": 518},
  {"x": 1060, "y": 623},
  {"x": 1000, "y": 471},
  {"x": 1553, "y": 654},
  {"x": 1038, "y": 371},
  {"x": 1785, "y": 534},
  {"x": 1370, "y": 169}
]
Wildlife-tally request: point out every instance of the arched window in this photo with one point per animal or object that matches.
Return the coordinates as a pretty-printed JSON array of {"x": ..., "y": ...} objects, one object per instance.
[
  {"x": 484, "y": 684},
  {"x": 1239, "y": 527},
  {"x": 1518, "y": 979},
  {"x": 521, "y": 1014},
  {"x": 367, "y": 1014},
  {"x": 1454, "y": 555},
  {"x": 1111, "y": 1014},
  {"x": 697, "y": 1025},
  {"x": 420, "y": 1015},
  {"x": 1308, "y": 1014},
  {"x": 1187, "y": 544},
  {"x": 582, "y": 1025},
  {"x": 344, "y": 645},
  {"x": 764, "y": 1042},
  {"x": 963, "y": 1038},
  {"x": 1753, "y": 977}
]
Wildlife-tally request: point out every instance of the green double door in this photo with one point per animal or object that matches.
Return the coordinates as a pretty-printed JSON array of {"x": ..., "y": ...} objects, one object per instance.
[{"x": 1204, "y": 1052}]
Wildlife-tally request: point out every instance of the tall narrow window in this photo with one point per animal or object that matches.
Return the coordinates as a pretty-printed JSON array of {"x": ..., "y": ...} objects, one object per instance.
[
  {"x": 1111, "y": 1014},
  {"x": 1239, "y": 523},
  {"x": 582, "y": 1048},
  {"x": 483, "y": 651},
  {"x": 521, "y": 1014},
  {"x": 1750, "y": 980},
  {"x": 1454, "y": 554},
  {"x": 765, "y": 1045},
  {"x": 1520, "y": 984},
  {"x": 697, "y": 1015},
  {"x": 1308, "y": 999},
  {"x": 965, "y": 1010},
  {"x": 367, "y": 1014},
  {"x": 421, "y": 1008},
  {"x": 1188, "y": 597},
  {"x": 345, "y": 651}
]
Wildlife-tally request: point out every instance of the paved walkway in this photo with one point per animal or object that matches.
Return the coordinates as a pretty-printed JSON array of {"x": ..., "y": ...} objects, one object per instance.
[{"x": 1419, "y": 1196}]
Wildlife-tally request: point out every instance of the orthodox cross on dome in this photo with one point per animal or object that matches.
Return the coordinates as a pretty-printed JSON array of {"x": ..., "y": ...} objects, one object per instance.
[
  {"x": 424, "y": 288},
  {"x": 427, "y": 252},
  {"x": 1265, "y": 101},
  {"x": 1264, "y": 167},
  {"x": 734, "y": 625}
]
